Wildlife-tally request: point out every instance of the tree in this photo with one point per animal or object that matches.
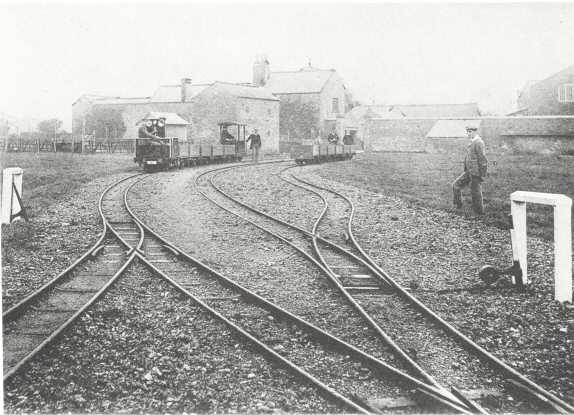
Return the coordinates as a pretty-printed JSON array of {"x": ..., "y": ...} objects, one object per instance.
[
  {"x": 298, "y": 120},
  {"x": 49, "y": 128},
  {"x": 105, "y": 122}
]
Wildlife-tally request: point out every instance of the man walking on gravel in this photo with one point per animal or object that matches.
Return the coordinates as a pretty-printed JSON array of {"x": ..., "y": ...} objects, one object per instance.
[
  {"x": 255, "y": 145},
  {"x": 475, "y": 166}
]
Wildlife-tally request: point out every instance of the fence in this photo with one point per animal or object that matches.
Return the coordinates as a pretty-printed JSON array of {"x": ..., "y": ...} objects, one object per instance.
[{"x": 91, "y": 145}]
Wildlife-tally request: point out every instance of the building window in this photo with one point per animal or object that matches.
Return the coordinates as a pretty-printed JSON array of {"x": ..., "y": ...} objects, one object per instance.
[
  {"x": 335, "y": 106},
  {"x": 566, "y": 93},
  {"x": 247, "y": 108}
]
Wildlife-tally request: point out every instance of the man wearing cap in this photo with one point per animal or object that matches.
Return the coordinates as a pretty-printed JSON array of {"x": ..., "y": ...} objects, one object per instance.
[
  {"x": 147, "y": 130},
  {"x": 254, "y": 145},
  {"x": 475, "y": 166}
]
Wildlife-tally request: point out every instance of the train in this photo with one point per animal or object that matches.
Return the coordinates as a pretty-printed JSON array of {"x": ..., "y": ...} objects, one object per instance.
[
  {"x": 169, "y": 153},
  {"x": 155, "y": 152}
]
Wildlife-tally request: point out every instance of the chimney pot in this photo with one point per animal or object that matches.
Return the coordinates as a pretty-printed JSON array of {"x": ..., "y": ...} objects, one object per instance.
[{"x": 184, "y": 85}]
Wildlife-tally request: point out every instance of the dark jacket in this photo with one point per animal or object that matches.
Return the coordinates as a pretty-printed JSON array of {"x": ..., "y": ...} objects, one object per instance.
[
  {"x": 475, "y": 162},
  {"x": 255, "y": 141}
]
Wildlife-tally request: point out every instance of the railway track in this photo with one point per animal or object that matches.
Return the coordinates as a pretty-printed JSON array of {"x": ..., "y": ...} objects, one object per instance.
[
  {"x": 337, "y": 368},
  {"x": 34, "y": 322},
  {"x": 357, "y": 275}
]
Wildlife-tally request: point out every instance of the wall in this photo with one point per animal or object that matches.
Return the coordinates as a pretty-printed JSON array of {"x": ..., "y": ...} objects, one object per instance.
[
  {"x": 264, "y": 116},
  {"x": 333, "y": 88},
  {"x": 513, "y": 134},
  {"x": 295, "y": 120},
  {"x": 396, "y": 135},
  {"x": 210, "y": 108}
]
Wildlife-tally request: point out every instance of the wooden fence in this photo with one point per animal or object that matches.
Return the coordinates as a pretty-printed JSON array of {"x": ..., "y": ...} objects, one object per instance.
[{"x": 92, "y": 145}]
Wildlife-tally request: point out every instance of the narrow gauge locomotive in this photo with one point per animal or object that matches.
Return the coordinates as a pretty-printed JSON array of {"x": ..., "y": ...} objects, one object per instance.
[
  {"x": 318, "y": 153},
  {"x": 155, "y": 151}
]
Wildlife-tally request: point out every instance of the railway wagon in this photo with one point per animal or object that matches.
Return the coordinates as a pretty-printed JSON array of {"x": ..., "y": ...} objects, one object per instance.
[{"x": 318, "y": 153}]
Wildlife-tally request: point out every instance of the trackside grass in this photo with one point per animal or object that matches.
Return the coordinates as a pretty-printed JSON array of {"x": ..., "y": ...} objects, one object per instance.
[
  {"x": 49, "y": 177},
  {"x": 425, "y": 180}
]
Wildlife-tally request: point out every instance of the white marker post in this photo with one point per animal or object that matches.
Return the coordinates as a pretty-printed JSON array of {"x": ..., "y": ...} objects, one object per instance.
[
  {"x": 562, "y": 237},
  {"x": 11, "y": 182}
]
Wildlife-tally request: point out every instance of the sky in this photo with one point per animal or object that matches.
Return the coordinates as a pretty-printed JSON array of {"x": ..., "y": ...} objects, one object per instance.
[{"x": 387, "y": 53}]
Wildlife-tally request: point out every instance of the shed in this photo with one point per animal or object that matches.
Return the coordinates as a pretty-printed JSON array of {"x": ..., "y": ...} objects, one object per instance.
[{"x": 175, "y": 126}]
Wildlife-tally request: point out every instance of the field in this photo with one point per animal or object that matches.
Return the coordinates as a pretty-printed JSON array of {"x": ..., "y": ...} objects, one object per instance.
[
  {"x": 49, "y": 177},
  {"x": 425, "y": 179}
]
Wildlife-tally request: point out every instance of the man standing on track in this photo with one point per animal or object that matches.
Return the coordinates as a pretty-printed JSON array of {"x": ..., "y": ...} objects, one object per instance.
[
  {"x": 254, "y": 145},
  {"x": 475, "y": 166}
]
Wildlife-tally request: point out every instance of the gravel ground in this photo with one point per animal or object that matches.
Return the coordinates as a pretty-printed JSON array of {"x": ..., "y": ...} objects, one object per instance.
[
  {"x": 435, "y": 253},
  {"x": 253, "y": 259},
  {"x": 35, "y": 252},
  {"x": 439, "y": 252},
  {"x": 144, "y": 347},
  {"x": 422, "y": 342}
]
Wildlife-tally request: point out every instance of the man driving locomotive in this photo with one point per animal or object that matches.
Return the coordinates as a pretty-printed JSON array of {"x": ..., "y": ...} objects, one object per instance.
[{"x": 148, "y": 130}]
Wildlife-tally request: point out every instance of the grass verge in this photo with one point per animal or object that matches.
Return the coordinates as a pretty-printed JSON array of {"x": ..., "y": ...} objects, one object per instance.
[{"x": 425, "y": 179}]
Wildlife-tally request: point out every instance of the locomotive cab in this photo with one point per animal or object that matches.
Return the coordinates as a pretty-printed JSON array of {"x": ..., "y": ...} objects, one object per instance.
[
  {"x": 155, "y": 151},
  {"x": 233, "y": 134}
]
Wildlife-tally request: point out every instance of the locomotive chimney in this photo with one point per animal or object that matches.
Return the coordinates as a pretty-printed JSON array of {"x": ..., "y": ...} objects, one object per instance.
[
  {"x": 185, "y": 84},
  {"x": 261, "y": 71}
]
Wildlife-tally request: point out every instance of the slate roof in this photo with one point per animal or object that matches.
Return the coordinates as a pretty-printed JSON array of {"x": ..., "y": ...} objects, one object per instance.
[
  {"x": 120, "y": 100},
  {"x": 171, "y": 118},
  {"x": 306, "y": 80},
  {"x": 440, "y": 110},
  {"x": 451, "y": 128},
  {"x": 245, "y": 91}
]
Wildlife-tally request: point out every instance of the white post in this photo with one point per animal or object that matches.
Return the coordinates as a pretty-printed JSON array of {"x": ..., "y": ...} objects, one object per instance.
[
  {"x": 562, "y": 237},
  {"x": 10, "y": 205},
  {"x": 519, "y": 242},
  {"x": 563, "y": 251}
]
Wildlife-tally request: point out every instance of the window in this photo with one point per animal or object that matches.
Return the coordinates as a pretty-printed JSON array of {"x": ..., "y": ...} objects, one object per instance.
[
  {"x": 335, "y": 106},
  {"x": 566, "y": 93}
]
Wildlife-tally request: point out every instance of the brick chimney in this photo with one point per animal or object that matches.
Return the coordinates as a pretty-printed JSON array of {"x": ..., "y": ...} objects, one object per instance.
[
  {"x": 185, "y": 84},
  {"x": 261, "y": 70}
]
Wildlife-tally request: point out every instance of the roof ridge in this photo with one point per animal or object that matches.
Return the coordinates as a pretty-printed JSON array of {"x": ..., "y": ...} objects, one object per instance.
[
  {"x": 306, "y": 70},
  {"x": 428, "y": 105}
]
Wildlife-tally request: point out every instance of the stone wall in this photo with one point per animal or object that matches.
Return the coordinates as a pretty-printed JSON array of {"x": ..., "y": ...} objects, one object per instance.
[
  {"x": 512, "y": 134},
  {"x": 396, "y": 134},
  {"x": 264, "y": 116}
]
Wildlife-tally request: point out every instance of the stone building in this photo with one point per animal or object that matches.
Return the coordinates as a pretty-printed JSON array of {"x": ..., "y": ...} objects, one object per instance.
[
  {"x": 204, "y": 105},
  {"x": 312, "y": 100},
  {"x": 551, "y": 96}
]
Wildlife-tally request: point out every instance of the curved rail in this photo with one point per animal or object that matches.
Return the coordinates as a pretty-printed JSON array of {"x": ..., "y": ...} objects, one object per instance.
[
  {"x": 97, "y": 295},
  {"x": 439, "y": 394},
  {"x": 14, "y": 310},
  {"x": 556, "y": 402},
  {"x": 329, "y": 273}
]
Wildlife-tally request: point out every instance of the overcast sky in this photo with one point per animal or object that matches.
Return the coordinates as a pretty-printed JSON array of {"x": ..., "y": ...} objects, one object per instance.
[{"x": 386, "y": 53}]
